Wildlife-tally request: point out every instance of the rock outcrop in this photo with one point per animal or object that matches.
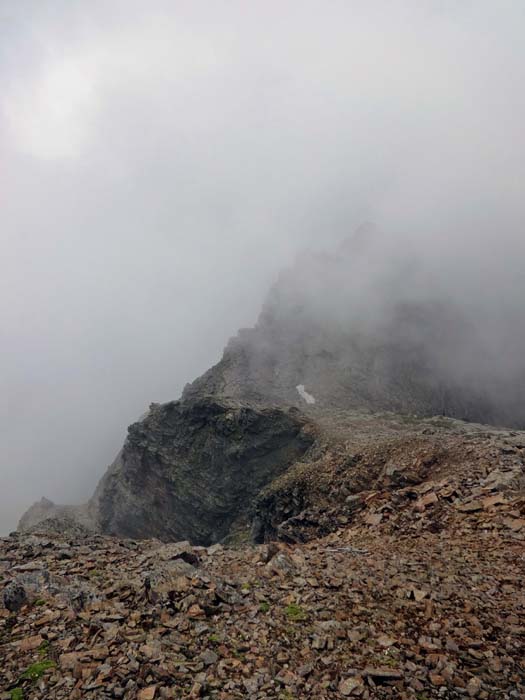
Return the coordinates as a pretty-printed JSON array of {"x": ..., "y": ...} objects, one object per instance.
[
  {"x": 74, "y": 520},
  {"x": 334, "y": 335},
  {"x": 188, "y": 470}
]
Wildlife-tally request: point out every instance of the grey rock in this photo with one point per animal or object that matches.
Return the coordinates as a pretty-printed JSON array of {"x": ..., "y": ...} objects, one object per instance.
[
  {"x": 64, "y": 554},
  {"x": 209, "y": 657},
  {"x": 14, "y": 596},
  {"x": 48, "y": 518},
  {"x": 190, "y": 468}
]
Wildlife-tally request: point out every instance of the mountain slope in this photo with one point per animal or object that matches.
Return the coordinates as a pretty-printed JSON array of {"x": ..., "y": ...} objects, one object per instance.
[
  {"x": 401, "y": 578},
  {"x": 373, "y": 343},
  {"x": 337, "y": 333}
]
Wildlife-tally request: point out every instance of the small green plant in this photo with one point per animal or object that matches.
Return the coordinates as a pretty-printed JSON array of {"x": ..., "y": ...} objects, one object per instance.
[
  {"x": 43, "y": 649},
  {"x": 246, "y": 586},
  {"x": 39, "y": 602},
  {"x": 295, "y": 613},
  {"x": 214, "y": 639},
  {"x": 17, "y": 694},
  {"x": 35, "y": 671},
  {"x": 264, "y": 607}
]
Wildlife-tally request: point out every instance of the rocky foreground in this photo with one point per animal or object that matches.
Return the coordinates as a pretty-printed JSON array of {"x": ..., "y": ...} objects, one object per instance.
[{"x": 396, "y": 570}]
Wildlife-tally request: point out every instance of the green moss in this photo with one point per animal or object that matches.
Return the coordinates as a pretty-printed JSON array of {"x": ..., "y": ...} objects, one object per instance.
[
  {"x": 17, "y": 694},
  {"x": 264, "y": 606},
  {"x": 295, "y": 613},
  {"x": 39, "y": 602},
  {"x": 35, "y": 671},
  {"x": 214, "y": 639},
  {"x": 43, "y": 649}
]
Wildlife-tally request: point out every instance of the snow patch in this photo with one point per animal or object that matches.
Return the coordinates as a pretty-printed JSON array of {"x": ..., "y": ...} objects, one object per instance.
[{"x": 304, "y": 394}]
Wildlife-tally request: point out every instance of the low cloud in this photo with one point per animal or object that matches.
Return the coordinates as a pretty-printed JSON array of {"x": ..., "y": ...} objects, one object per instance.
[{"x": 161, "y": 163}]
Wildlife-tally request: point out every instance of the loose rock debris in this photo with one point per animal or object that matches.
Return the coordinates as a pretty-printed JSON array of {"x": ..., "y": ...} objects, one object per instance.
[{"x": 426, "y": 601}]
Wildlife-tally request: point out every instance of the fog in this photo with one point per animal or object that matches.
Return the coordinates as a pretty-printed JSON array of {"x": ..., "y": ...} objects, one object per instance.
[{"x": 162, "y": 161}]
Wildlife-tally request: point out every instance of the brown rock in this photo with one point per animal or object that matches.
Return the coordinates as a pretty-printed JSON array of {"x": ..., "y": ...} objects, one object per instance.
[
  {"x": 426, "y": 500},
  {"x": 385, "y": 641},
  {"x": 418, "y": 594},
  {"x": 470, "y": 507},
  {"x": 30, "y": 643},
  {"x": 473, "y": 687},
  {"x": 351, "y": 686},
  {"x": 514, "y": 523},
  {"x": 383, "y": 673},
  {"x": 436, "y": 679},
  {"x": 492, "y": 501},
  {"x": 374, "y": 518},
  {"x": 69, "y": 661},
  {"x": 195, "y": 611}
]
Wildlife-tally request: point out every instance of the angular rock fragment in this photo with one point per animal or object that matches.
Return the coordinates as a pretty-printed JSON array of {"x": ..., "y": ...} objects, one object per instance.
[{"x": 14, "y": 596}]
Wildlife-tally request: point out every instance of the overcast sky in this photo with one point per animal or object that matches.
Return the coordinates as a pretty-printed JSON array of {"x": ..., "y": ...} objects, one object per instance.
[{"x": 161, "y": 161}]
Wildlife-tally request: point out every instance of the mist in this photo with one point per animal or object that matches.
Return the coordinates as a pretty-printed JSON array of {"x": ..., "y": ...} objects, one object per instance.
[{"x": 161, "y": 162}]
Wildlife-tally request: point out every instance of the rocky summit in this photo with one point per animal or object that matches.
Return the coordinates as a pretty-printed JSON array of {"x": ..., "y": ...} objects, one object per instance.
[
  {"x": 194, "y": 468},
  {"x": 330, "y": 511}
]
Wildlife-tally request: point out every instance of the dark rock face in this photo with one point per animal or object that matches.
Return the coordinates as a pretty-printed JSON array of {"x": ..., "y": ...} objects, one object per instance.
[{"x": 189, "y": 469}]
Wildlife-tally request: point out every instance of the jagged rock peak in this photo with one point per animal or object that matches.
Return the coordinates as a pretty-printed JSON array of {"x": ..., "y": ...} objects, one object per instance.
[{"x": 349, "y": 330}]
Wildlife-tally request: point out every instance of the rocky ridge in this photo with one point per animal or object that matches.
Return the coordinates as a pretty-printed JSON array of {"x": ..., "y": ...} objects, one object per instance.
[
  {"x": 354, "y": 337},
  {"x": 368, "y": 547},
  {"x": 324, "y": 343},
  {"x": 395, "y": 570}
]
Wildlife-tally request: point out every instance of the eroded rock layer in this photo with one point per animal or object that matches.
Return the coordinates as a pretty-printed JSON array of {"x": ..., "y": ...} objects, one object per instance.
[{"x": 188, "y": 470}]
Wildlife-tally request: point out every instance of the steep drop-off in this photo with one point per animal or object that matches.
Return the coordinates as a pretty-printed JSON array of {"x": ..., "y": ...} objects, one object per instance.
[
  {"x": 191, "y": 468},
  {"x": 335, "y": 334},
  {"x": 188, "y": 470}
]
